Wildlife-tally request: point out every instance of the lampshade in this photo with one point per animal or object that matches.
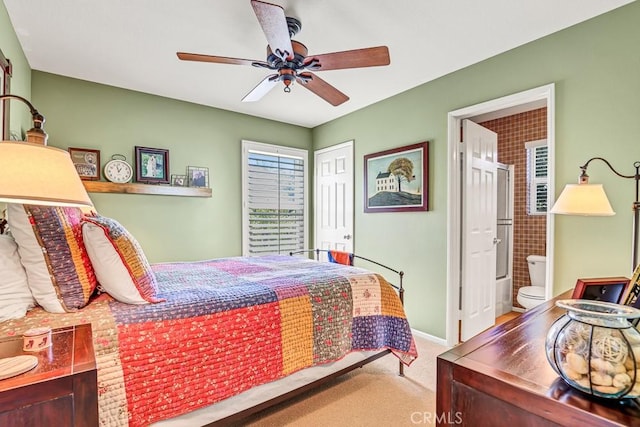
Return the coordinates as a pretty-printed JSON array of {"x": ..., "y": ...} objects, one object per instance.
[
  {"x": 583, "y": 199},
  {"x": 39, "y": 175}
]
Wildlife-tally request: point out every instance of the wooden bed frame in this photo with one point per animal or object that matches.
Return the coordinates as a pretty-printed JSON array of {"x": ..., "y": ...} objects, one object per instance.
[{"x": 233, "y": 419}]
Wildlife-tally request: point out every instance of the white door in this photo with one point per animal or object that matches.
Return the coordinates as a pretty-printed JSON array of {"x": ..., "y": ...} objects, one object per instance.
[
  {"x": 333, "y": 213},
  {"x": 479, "y": 229}
]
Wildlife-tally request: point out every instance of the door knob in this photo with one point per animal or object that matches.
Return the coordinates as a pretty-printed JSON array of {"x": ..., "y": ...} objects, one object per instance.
[
  {"x": 347, "y": 237},
  {"x": 496, "y": 240}
]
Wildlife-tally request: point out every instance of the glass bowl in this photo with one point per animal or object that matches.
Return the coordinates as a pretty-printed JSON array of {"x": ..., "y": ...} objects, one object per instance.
[{"x": 595, "y": 348}]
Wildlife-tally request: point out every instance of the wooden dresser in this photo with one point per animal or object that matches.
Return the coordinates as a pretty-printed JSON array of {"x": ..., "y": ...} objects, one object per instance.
[
  {"x": 62, "y": 390},
  {"x": 502, "y": 378}
]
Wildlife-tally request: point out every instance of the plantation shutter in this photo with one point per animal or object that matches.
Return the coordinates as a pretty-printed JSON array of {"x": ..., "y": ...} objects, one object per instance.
[
  {"x": 538, "y": 160},
  {"x": 274, "y": 202}
]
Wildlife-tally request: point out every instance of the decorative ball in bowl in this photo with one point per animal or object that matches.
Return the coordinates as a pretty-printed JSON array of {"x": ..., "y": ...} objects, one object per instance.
[{"x": 595, "y": 348}]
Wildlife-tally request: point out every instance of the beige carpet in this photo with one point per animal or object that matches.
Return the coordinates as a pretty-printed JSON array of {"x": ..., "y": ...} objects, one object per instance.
[{"x": 374, "y": 395}]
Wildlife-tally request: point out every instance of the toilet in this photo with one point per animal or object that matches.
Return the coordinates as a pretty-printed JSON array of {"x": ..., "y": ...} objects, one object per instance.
[{"x": 531, "y": 296}]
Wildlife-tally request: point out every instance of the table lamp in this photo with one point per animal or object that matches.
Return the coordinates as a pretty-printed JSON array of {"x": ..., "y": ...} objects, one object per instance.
[{"x": 591, "y": 200}]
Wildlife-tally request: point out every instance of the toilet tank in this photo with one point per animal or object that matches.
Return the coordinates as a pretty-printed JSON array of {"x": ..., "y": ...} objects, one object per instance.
[{"x": 537, "y": 269}]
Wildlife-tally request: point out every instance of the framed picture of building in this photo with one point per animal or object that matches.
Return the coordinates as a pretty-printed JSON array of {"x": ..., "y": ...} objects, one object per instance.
[{"x": 397, "y": 180}]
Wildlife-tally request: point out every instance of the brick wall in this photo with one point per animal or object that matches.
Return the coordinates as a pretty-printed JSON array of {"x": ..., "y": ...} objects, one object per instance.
[{"x": 530, "y": 231}]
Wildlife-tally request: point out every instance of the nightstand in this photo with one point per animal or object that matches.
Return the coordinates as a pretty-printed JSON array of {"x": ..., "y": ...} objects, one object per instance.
[{"x": 62, "y": 389}]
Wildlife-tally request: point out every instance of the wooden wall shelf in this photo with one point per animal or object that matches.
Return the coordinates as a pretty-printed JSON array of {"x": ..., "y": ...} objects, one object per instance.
[{"x": 137, "y": 188}]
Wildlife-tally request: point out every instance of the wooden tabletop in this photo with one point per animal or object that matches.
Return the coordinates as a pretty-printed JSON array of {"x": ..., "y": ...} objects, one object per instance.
[
  {"x": 71, "y": 352},
  {"x": 509, "y": 363}
]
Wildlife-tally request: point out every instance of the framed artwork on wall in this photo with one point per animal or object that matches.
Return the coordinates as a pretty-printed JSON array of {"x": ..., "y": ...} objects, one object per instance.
[
  {"x": 608, "y": 289},
  {"x": 152, "y": 165},
  {"x": 397, "y": 180},
  {"x": 87, "y": 162}
]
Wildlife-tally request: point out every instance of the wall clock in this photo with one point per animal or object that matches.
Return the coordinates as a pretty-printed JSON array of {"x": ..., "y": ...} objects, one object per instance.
[{"x": 118, "y": 170}]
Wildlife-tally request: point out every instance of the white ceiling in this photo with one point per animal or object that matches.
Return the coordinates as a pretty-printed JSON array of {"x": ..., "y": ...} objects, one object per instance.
[{"x": 132, "y": 44}]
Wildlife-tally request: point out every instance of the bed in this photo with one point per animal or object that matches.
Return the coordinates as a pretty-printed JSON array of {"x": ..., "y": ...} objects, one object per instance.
[{"x": 220, "y": 339}]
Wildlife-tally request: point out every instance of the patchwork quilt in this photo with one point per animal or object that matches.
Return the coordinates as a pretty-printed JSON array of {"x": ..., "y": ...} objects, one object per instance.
[{"x": 227, "y": 325}]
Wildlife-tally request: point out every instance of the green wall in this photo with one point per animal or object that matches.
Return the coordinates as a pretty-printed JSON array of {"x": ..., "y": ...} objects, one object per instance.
[
  {"x": 112, "y": 120},
  {"x": 21, "y": 76},
  {"x": 596, "y": 69}
]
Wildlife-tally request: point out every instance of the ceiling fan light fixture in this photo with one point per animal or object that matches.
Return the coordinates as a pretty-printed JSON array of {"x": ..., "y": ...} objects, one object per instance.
[{"x": 288, "y": 77}]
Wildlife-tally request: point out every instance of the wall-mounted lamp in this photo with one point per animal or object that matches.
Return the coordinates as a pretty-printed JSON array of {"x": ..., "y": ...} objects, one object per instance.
[
  {"x": 590, "y": 200},
  {"x": 32, "y": 173},
  {"x": 36, "y": 134}
]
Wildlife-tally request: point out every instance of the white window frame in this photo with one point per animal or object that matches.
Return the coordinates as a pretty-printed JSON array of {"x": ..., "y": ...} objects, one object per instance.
[
  {"x": 271, "y": 149},
  {"x": 532, "y": 180}
]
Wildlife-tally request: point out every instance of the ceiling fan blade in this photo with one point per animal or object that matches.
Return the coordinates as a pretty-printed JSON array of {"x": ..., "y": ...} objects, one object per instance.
[
  {"x": 323, "y": 89},
  {"x": 217, "y": 59},
  {"x": 275, "y": 28},
  {"x": 262, "y": 89},
  {"x": 357, "y": 58}
]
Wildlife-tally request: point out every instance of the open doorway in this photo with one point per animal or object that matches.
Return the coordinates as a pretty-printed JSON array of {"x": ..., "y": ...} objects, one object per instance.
[{"x": 521, "y": 102}]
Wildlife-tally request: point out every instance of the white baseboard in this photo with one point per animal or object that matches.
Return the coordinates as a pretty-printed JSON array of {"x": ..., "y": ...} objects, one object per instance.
[
  {"x": 429, "y": 337},
  {"x": 518, "y": 309}
]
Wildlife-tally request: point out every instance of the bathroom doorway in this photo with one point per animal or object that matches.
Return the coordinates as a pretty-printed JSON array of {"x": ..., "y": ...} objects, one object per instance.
[
  {"x": 534, "y": 99},
  {"x": 520, "y": 133}
]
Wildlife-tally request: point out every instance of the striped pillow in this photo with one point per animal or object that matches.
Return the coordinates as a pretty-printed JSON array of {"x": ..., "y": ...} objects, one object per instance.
[
  {"x": 120, "y": 264},
  {"x": 52, "y": 251}
]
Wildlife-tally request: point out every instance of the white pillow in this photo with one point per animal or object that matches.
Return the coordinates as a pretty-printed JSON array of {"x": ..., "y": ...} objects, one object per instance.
[
  {"x": 121, "y": 267},
  {"x": 15, "y": 296}
]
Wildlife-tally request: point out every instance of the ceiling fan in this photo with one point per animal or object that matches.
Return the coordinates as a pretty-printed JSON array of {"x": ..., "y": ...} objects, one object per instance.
[{"x": 289, "y": 59}]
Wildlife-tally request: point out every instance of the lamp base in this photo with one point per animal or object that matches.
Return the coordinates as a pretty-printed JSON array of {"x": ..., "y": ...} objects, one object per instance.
[{"x": 37, "y": 136}]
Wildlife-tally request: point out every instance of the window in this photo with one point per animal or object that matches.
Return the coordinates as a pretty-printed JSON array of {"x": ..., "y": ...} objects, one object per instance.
[
  {"x": 537, "y": 176},
  {"x": 274, "y": 197}
]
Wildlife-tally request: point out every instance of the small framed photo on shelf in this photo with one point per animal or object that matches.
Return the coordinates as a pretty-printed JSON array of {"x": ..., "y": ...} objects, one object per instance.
[
  {"x": 152, "y": 165},
  {"x": 179, "y": 180},
  {"x": 198, "y": 176},
  {"x": 87, "y": 163},
  {"x": 608, "y": 289}
]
